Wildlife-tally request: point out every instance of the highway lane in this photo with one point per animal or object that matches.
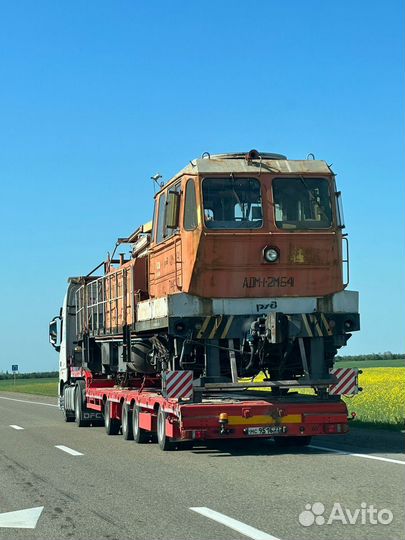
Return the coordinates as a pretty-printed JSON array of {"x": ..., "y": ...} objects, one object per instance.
[{"x": 117, "y": 489}]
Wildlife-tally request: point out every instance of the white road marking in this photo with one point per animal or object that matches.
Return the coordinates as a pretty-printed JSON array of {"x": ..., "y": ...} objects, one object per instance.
[
  {"x": 68, "y": 450},
  {"x": 21, "y": 519},
  {"x": 234, "y": 524},
  {"x": 367, "y": 456},
  {"x": 26, "y": 401},
  {"x": 18, "y": 428}
]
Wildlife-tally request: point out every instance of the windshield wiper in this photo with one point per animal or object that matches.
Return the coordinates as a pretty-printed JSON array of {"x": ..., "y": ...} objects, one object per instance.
[{"x": 313, "y": 198}]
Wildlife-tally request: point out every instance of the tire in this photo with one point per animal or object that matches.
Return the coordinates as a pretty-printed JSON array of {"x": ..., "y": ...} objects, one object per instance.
[
  {"x": 292, "y": 442},
  {"x": 68, "y": 416},
  {"x": 186, "y": 445},
  {"x": 126, "y": 422},
  {"x": 165, "y": 443},
  {"x": 140, "y": 435},
  {"x": 79, "y": 419},
  {"x": 112, "y": 425}
]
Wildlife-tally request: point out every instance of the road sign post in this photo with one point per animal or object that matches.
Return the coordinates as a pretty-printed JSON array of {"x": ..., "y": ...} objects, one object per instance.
[{"x": 14, "y": 369}]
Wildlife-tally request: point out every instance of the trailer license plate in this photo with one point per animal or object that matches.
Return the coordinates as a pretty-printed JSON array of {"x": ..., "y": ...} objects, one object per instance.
[{"x": 266, "y": 430}]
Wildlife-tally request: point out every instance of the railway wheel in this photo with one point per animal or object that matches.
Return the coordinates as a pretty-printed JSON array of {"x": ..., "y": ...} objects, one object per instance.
[
  {"x": 79, "y": 408},
  {"x": 292, "y": 442},
  {"x": 126, "y": 422},
  {"x": 112, "y": 425},
  {"x": 165, "y": 443},
  {"x": 140, "y": 435}
]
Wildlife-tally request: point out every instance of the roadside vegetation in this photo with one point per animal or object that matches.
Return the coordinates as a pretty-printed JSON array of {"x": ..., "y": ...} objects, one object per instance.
[
  {"x": 43, "y": 386},
  {"x": 382, "y": 401}
]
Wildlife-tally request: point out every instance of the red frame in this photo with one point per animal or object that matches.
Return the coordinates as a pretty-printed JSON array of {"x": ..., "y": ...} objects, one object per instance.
[{"x": 187, "y": 421}]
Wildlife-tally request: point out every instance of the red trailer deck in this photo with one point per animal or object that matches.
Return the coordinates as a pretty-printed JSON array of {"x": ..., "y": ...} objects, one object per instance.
[{"x": 143, "y": 411}]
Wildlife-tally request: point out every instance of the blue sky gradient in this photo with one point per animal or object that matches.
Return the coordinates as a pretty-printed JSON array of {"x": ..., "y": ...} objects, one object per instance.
[{"x": 97, "y": 96}]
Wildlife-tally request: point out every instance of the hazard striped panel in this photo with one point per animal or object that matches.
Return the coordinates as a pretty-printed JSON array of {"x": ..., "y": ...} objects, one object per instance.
[
  {"x": 347, "y": 381},
  {"x": 178, "y": 384},
  {"x": 215, "y": 327}
]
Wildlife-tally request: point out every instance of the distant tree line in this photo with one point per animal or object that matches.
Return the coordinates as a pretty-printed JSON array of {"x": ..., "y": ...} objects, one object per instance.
[
  {"x": 374, "y": 356},
  {"x": 36, "y": 375}
]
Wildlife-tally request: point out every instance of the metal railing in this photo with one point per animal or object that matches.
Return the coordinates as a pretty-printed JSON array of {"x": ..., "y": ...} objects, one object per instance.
[{"x": 101, "y": 304}]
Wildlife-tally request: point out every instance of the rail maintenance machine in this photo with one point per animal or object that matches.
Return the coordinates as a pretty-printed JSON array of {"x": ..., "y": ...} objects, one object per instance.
[{"x": 230, "y": 303}]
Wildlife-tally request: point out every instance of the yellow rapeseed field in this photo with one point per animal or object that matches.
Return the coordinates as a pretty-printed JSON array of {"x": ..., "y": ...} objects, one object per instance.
[{"x": 383, "y": 397}]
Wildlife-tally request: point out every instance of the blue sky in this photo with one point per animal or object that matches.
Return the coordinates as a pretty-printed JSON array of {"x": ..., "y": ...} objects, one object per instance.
[{"x": 97, "y": 96}]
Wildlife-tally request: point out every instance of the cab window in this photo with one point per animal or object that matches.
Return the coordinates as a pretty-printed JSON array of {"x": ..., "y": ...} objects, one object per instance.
[
  {"x": 162, "y": 232},
  {"x": 190, "y": 207},
  {"x": 302, "y": 203},
  {"x": 161, "y": 218},
  {"x": 232, "y": 203}
]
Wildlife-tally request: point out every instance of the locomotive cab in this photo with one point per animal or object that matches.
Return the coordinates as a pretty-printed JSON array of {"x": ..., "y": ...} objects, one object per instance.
[{"x": 246, "y": 231}]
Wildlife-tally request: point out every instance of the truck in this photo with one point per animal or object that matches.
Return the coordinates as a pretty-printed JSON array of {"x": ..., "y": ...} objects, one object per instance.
[{"x": 223, "y": 317}]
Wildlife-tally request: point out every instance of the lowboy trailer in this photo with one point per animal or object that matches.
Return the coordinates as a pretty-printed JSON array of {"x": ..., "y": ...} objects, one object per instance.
[{"x": 232, "y": 301}]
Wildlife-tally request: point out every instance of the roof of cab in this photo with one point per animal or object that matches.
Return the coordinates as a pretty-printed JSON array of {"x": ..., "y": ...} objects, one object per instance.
[{"x": 237, "y": 163}]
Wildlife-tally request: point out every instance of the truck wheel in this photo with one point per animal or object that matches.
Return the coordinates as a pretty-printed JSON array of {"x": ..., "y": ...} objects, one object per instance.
[
  {"x": 292, "y": 442},
  {"x": 165, "y": 443},
  {"x": 186, "y": 445},
  {"x": 112, "y": 425},
  {"x": 141, "y": 436},
  {"x": 68, "y": 416},
  {"x": 79, "y": 417},
  {"x": 126, "y": 422}
]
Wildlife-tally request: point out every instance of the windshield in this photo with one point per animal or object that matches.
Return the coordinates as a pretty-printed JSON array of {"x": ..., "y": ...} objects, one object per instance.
[
  {"x": 232, "y": 203},
  {"x": 302, "y": 203}
]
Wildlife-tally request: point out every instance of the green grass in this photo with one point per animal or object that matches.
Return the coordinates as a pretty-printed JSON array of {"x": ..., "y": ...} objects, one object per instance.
[
  {"x": 41, "y": 387},
  {"x": 371, "y": 363}
]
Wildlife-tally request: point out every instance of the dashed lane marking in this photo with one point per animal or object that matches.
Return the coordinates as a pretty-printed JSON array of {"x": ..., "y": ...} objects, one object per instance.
[
  {"x": 68, "y": 450},
  {"x": 234, "y": 524},
  {"x": 17, "y": 428}
]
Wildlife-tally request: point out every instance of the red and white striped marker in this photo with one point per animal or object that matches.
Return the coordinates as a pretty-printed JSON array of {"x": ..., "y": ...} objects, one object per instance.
[
  {"x": 178, "y": 384},
  {"x": 346, "y": 381}
]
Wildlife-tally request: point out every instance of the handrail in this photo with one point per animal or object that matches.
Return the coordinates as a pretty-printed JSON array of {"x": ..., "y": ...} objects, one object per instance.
[{"x": 346, "y": 261}]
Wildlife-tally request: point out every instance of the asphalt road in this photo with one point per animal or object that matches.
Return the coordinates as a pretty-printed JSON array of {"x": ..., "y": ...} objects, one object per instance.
[{"x": 116, "y": 489}]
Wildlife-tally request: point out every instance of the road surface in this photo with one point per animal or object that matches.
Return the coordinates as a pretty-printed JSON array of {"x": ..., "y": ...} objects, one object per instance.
[{"x": 83, "y": 484}]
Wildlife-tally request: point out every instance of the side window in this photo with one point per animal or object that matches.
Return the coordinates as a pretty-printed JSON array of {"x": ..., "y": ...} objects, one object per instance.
[
  {"x": 161, "y": 218},
  {"x": 167, "y": 233},
  {"x": 162, "y": 232},
  {"x": 190, "y": 207}
]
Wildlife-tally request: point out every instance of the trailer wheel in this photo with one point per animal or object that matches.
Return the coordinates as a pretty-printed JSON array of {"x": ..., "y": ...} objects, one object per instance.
[
  {"x": 112, "y": 425},
  {"x": 292, "y": 442},
  {"x": 79, "y": 416},
  {"x": 140, "y": 435},
  {"x": 165, "y": 443},
  {"x": 126, "y": 422}
]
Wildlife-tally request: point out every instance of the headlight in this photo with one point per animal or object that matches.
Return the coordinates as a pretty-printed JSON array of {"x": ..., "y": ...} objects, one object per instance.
[{"x": 270, "y": 254}]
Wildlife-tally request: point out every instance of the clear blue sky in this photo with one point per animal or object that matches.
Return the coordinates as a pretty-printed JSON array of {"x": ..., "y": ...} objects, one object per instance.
[{"x": 97, "y": 96}]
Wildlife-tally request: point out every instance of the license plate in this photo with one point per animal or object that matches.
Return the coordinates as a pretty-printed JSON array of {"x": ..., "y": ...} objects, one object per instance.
[{"x": 265, "y": 430}]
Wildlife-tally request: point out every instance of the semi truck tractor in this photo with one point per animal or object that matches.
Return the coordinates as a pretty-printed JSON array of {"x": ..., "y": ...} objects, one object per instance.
[{"x": 222, "y": 317}]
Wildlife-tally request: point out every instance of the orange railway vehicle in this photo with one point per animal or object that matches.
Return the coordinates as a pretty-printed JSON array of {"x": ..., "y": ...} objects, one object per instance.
[{"x": 243, "y": 271}]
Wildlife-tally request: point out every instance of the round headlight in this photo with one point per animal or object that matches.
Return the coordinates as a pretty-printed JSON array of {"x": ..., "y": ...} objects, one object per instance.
[{"x": 270, "y": 254}]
